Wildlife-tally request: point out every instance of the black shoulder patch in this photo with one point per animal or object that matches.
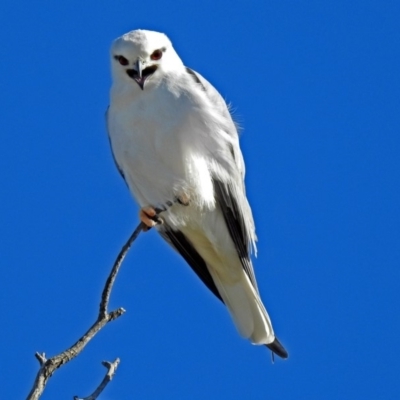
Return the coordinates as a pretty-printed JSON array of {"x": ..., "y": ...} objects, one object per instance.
[{"x": 195, "y": 77}]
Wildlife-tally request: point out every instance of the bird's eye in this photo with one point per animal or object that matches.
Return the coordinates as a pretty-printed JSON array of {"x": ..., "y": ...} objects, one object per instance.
[
  {"x": 157, "y": 54},
  {"x": 122, "y": 60}
]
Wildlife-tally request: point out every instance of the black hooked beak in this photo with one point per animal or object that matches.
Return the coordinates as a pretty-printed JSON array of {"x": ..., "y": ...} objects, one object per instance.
[{"x": 139, "y": 75}]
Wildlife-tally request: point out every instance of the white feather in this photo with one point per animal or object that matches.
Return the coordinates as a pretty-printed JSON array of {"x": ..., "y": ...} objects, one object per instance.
[{"x": 171, "y": 140}]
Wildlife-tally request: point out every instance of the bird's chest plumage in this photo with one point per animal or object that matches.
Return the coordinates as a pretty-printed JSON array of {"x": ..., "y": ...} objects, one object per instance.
[{"x": 147, "y": 134}]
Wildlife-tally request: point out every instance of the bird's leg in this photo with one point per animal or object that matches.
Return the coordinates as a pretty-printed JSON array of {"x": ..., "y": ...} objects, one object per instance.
[{"x": 148, "y": 215}]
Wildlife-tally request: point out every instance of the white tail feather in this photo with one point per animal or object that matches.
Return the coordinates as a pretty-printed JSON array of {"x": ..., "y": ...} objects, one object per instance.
[{"x": 247, "y": 311}]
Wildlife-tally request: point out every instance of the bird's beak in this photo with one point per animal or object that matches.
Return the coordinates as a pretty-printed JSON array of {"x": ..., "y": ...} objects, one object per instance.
[
  {"x": 139, "y": 75},
  {"x": 138, "y": 67},
  {"x": 139, "y": 79}
]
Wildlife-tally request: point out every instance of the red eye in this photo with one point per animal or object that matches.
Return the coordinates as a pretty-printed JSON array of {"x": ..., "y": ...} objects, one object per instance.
[
  {"x": 122, "y": 60},
  {"x": 156, "y": 55}
]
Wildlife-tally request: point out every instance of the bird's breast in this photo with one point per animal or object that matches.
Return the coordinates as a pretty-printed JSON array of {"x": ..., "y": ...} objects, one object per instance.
[{"x": 148, "y": 140}]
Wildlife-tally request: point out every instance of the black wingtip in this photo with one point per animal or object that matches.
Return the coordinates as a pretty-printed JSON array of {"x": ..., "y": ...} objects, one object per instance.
[{"x": 277, "y": 348}]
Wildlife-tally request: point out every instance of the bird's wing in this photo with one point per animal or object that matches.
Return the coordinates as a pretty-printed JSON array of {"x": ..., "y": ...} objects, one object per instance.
[
  {"x": 230, "y": 194},
  {"x": 222, "y": 108},
  {"x": 112, "y": 151},
  {"x": 227, "y": 198},
  {"x": 183, "y": 246}
]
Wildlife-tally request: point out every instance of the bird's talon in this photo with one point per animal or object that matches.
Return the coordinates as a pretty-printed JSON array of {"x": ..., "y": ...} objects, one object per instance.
[
  {"x": 158, "y": 220},
  {"x": 149, "y": 217}
]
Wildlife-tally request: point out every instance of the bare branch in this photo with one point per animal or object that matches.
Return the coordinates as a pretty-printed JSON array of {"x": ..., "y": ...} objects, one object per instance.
[
  {"x": 41, "y": 358},
  {"x": 105, "y": 296},
  {"x": 49, "y": 366},
  {"x": 112, "y": 367}
]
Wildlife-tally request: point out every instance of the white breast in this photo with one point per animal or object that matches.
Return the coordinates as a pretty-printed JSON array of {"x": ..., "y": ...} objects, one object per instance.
[{"x": 150, "y": 141}]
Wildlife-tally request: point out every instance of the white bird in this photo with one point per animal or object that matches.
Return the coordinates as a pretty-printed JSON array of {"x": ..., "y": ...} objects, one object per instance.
[{"x": 177, "y": 147}]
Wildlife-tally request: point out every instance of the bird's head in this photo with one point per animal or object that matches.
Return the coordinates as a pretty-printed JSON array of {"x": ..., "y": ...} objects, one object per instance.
[{"x": 143, "y": 56}]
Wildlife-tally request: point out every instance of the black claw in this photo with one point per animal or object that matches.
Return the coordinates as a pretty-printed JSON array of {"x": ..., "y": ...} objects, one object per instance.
[
  {"x": 159, "y": 210},
  {"x": 156, "y": 218},
  {"x": 277, "y": 348}
]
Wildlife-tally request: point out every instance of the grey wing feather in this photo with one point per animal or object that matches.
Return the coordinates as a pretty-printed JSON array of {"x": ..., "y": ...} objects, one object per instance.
[
  {"x": 234, "y": 206},
  {"x": 234, "y": 219},
  {"x": 212, "y": 93},
  {"x": 220, "y": 104}
]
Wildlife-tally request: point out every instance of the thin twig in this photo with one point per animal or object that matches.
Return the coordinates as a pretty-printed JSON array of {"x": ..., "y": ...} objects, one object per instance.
[
  {"x": 49, "y": 366},
  {"x": 105, "y": 296},
  {"x": 41, "y": 358},
  {"x": 111, "y": 367}
]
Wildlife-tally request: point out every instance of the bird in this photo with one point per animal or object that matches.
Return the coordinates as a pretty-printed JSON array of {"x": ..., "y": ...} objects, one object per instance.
[{"x": 175, "y": 144}]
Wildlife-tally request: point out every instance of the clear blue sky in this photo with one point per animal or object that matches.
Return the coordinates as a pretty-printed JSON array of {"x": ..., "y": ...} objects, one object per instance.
[{"x": 316, "y": 88}]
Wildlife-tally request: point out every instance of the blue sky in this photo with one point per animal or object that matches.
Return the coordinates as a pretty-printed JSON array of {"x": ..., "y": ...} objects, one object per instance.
[{"x": 316, "y": 88}]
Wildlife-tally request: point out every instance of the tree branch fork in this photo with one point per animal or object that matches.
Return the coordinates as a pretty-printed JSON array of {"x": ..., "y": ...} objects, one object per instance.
[{"x": 49, "y": 366}]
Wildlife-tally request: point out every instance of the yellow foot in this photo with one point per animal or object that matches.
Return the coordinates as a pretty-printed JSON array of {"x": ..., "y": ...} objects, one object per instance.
[{"x": 146, "y": 214}]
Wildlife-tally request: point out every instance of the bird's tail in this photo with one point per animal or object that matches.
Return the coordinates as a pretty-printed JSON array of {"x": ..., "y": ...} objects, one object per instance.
[{"x": 248, "y": 312}]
